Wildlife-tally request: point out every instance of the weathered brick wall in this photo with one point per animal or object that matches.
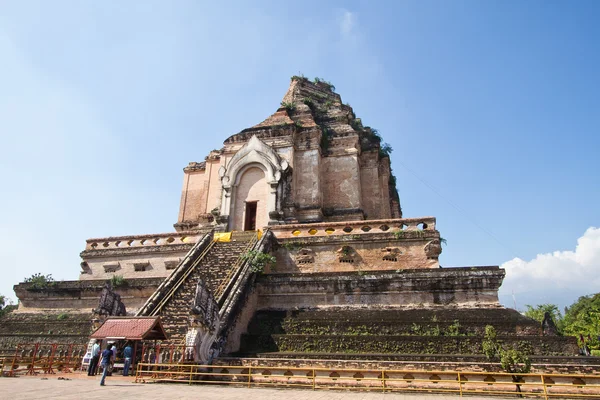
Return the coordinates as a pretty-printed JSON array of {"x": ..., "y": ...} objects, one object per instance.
[
  {"x": 372, "y": 194},
  {"x": 366, "y": 255},
  {"x": 194, "y": 194},
  {"x": 81, "y": 296},
  {"x": 468, "y": 287},
  {"x": 341, "y": 182},
  {"x": 306, "y": 180}
]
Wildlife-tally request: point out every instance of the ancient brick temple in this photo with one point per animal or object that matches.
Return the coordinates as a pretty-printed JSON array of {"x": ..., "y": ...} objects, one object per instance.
[{"x": 351, "y": 277}]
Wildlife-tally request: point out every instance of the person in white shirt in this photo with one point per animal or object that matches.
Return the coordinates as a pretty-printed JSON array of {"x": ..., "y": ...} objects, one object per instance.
[{"x": 93, "y": 367}]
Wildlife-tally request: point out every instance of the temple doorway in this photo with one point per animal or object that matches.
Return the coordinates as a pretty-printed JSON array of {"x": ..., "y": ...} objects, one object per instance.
[
  {"x": 250, "y": 216},
  {"x": 249, "y": 201}
]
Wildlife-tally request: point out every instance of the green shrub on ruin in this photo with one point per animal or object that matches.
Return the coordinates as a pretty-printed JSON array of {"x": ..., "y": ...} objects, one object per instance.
[
  {"x": 322, "y": 81},
  {"x": 258, "y": 260},
  {"x": 39, "y": 281},
  {"x": 62, "y": 316},
  {"x": 118, "y": 280},
  {"x": 290, "y": 106}
]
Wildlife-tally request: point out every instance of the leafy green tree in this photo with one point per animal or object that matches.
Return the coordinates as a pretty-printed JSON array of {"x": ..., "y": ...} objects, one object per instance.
[
  {"x": 6, "y": 305},
  {"x": 513, "y": 360},
  {"x": 538, "y": 312},
  {"x": 582, "y": 318}
]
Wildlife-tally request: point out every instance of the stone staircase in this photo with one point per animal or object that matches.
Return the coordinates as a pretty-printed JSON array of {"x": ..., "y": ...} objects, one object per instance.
[{"x": 214, "y": 268}]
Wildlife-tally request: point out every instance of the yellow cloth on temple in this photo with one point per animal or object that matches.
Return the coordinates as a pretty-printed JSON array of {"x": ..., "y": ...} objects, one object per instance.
[{"x": 222, "y": 237}]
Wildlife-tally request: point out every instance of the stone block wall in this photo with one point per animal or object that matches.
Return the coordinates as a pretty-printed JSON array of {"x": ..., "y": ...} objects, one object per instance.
[
  {"x": 465, "y": 287},
  {"x": 136, "y": 256},
  {"x": 379, "y": 245},
  {"x": 81, "y": 296}
]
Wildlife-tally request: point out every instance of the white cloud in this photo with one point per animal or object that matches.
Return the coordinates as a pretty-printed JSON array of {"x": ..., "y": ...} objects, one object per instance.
[
  {"x": 559, "y": 277},
  {"x": 347, "y": 23}
]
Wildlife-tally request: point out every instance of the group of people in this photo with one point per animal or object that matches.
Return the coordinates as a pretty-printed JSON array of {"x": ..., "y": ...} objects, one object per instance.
[{"x": 106, "y": 359}]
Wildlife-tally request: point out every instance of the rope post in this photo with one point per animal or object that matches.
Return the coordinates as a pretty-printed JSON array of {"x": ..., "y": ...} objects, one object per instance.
[
  {"x": 49, "y": 368},
  {"x": 68, "y": 366},
  {"x": 544, "y": 385},
  {"x": 32, "y": 369},
  {"x": 12, "y": 366}
]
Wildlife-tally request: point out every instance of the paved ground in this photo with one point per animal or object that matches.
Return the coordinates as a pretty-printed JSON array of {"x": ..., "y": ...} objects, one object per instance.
[{"x": 88, "y": 388}]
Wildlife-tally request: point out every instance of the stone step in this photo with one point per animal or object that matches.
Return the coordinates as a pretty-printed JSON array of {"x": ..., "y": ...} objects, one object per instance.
[{"x": 213, "y": 269}]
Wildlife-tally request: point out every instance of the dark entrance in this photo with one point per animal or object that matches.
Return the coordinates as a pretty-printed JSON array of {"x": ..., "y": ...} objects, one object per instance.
[{"x": 250, "y": 220}]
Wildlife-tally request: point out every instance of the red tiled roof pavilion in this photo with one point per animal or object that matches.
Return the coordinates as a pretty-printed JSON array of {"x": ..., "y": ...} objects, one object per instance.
[{"x": 131, "y": 328}]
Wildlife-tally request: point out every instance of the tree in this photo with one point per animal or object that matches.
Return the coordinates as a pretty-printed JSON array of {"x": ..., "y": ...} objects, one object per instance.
[
  {"x": 512, "y": 360},
  {"x": 538, "y": 312},
  {"x": 582, "y": 319},
  {"x": 6, "y": 305}
]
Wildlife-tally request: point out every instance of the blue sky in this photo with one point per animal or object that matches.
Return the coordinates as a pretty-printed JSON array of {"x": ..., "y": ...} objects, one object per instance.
[{"x": 492, "y": 109}]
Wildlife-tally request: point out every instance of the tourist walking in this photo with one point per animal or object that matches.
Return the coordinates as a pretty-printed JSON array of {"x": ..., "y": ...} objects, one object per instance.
[
  {"x": 93, "y": 367},
  {"x": 127, "y": 353},
  {"x": 105, "y": 362}
]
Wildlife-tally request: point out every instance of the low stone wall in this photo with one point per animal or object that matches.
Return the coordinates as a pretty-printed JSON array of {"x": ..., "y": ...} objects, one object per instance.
[
  {"x": 433, "y": 362},
  {"x": 81, "y": 296},
  {"x": 466, "y": 287},
  {"x": 48, "y": 327}
]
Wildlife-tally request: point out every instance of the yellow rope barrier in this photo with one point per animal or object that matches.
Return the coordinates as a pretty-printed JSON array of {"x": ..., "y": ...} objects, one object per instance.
[{"x": 385, "y": 380}]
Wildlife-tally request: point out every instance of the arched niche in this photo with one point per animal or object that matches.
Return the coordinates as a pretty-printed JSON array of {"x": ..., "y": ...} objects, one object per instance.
[{"x": 240, "y": 173}]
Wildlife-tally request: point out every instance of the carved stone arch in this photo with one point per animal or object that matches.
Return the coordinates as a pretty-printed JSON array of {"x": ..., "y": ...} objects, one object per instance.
[
  {"x": 245, "y": 167},
  {"x": 255, "y": 153}
]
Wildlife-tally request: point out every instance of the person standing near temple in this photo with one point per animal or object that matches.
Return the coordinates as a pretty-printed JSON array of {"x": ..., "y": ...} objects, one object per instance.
[
  {"x": 127, "y": 353},
  {"x": 105, "y": 362},
  {"x": 112, "y": 359},
  {"x": 93, "y": 367}
]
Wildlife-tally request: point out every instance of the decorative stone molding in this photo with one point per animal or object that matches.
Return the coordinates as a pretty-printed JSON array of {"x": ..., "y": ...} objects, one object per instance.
[
  {"x": 126, "y": 242},
  {"x": 391, "y": 254},
  {"x": 204, "y": 325},
  {"x": 142, "y": 266},
  {"x": 113, "y": 267},
  {"x": 346, "y": 254},
  {"x": 172, "y": 264},
  {"x": 403, "y": 227},
  {"x": 110, "y": 303},
  {"x": 433, "y": 249},
  {"x": 138, "y": 251},
  {"x": 305, "y": 256},
  {"x": 85, "y": 268},
  {"x": 254, "y": 153},
  {"x": 195, "y": 166}
]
